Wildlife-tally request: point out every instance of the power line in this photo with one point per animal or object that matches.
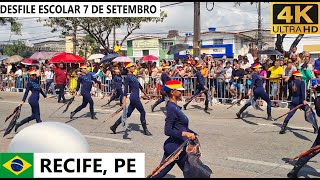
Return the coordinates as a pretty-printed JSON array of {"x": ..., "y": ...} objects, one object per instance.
[{"x": 168, "y": 5}]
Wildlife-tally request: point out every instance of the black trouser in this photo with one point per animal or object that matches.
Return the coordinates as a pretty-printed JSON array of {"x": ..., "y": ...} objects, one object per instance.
[{"x": 61, "y": 92}]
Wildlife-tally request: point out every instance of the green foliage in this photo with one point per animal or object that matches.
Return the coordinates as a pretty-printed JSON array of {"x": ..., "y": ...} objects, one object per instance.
[
  {"x": 17, "y": 48},
  {"x": 100, "y": 28},
  {"x": 15, "y": 26},
  {"x": 81, "y": 53}
]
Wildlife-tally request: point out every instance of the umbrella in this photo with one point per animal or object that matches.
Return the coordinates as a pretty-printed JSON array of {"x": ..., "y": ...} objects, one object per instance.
[
  {"x": 270, "y": 52},
  {"x": 122, "y": 59},
  {"x": 177, "y": 48},
  {"x": 26, "y": 54},
  {"x": 66, "y": 58},
  {"x": 108, "y": 58},
  {"x": 95, "y": 56},
  {"x": 14, "y": 59},
  {"x": 30, "y": 62},
  {"x": 4, "y": 57},
  {"x": 149, "y": 58}
]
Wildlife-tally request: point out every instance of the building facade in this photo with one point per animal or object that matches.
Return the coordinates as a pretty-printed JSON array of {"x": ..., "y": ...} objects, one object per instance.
[
  {"x": 220, "y": 44},
  {"x": 140, "y": 46}
]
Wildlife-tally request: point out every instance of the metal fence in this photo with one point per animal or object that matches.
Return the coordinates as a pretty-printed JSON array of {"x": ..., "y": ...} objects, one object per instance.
[{"x": 221, "y": 90}]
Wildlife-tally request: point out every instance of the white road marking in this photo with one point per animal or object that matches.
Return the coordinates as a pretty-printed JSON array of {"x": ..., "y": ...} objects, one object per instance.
[
  {"x": 266, "y": 163},
  {"x": 108, "y": 139},
  {"x": 136, "y": 113},
  {"x": 13, "y": 102}
]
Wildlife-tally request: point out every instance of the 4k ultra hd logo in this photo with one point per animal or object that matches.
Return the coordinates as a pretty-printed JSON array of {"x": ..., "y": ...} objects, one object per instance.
[
  {"x": 16, "y": 165},
  {"x": 295, "y": 18}
]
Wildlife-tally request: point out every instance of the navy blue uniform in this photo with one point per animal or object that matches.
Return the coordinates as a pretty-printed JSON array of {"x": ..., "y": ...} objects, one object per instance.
[
  {"x": 33, "y": 100},
  {"x": 135, "y": 103},
  {"x": 164, "y": 79},
  {"x": 200, "y": 87},
  {"x": 176, "y": 123},
  {"x": 86, "y": 82},
  {"x": 298, "y": 90},
  {"x": 117, "y": 82},
  {"x": 258, "y": 92}
]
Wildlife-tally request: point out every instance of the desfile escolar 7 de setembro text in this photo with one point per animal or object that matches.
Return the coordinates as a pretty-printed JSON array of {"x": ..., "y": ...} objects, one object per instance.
[{"x": 77, "y": 9}]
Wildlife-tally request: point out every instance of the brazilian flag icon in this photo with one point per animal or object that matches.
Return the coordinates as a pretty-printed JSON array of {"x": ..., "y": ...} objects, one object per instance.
[{"x": 16, "y": 165}]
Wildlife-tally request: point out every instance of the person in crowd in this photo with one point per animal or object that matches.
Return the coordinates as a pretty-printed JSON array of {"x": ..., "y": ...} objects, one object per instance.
[
  {"x": 49, "y": 81},
  {"x": 237, "y": 87},
  {"x": 276, "y": 74},
  {"x": 60, "y": 80}
]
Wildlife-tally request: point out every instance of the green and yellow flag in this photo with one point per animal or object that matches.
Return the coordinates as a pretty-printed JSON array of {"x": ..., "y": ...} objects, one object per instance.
[{"x": 16, "y": 165}]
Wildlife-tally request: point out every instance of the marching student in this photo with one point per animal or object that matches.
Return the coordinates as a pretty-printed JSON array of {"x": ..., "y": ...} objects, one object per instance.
[
  {"x": 200, "y": 87},
  {"x": 176, "y": 127},
  {"x": 35, "y": 89},
  {"x": 117, "y": 85},
  {"x": 256, "y": 87},
  {"x": 86, "y": 80},
  {"x": 298, "y": 90},
  {"x": 165, "y": 76},
  {"x": 135, "y": 103}
]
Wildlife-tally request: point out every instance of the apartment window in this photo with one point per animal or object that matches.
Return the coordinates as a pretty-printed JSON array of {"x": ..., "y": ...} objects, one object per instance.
[
  {"x": 145, "y": 52},
  {"x": 218, "y": 41},
  {"x": 166, "y": 45}
]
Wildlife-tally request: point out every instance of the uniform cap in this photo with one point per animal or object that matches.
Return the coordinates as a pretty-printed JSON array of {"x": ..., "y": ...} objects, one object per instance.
[
  {"x": 128, "y": 64},
  {"x": 297, "y": 73},
  {"x": 32, "y": 72},
  {"x": 173, "y": 85},
  {"x": 256, "y": 65}
]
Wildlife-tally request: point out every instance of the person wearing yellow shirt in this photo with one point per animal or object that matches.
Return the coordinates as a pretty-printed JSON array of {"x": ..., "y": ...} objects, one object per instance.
[
  {"x": 276, "y": 73},
  {"x": 117, "y": 47}
]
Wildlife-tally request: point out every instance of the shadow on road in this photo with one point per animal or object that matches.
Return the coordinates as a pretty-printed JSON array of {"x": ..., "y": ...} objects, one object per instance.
[
  {"x": 169, "y": 176},
  {"x": 298, "y": 135},
  {"x": 197, "y": 107},
  {"x": 306, "y": 171}
]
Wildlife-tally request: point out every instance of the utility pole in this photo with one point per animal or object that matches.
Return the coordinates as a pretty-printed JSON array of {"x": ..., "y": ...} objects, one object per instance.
[
  {"x": 114, "y": 36},
  {"x": 74, "y": 39},
  {"x": 259, "y": 27},
  {"x": 196, "y": 30}
]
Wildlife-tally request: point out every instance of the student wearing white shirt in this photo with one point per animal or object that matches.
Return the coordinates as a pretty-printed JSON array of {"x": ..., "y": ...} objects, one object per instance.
[{"x": 49, "y": 81}]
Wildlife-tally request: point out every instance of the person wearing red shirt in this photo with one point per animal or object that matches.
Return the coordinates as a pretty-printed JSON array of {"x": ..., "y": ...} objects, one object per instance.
[{"x": 60, "y": 79}]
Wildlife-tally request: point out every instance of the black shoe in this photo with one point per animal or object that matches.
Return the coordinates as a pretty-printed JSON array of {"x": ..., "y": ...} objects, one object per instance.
[
  {"x": 113, "y": 129},
  {"x": 206, "y": 111},
  {"x": 116, "y": 124},
  {"x": 94, "y": 117},
  {"x": 185, "y": 107},
  {"x": 292, "y": 174},
  {"x": 283, "y": 128},
  {"x": 270, "y": 118},
  {"x": 17, "y": 126},
  {"x": 72, "y": 114},
  {"x": 238, "y": 115},
  {"x": 147, "y": 133},
  {"x": 65, "y": 101},
  {"x": 145, "y": 130},
  {"x": 152, "y": 108}
]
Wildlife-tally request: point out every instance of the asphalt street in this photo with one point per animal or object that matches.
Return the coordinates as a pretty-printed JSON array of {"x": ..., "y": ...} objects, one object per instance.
[{"x": 248, "y": 147}]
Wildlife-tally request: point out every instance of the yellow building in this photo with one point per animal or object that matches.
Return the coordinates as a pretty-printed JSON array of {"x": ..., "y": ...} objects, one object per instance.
[
  {"x": 80, "y": 39},
  {"x": 313, "y": 49}
]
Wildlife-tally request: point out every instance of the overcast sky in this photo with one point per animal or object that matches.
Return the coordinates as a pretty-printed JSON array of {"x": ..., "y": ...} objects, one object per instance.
[{"x": 224, "y": 16}]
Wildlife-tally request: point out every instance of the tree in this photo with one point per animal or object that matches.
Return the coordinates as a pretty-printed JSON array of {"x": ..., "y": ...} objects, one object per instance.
[
  {"x": 280, "y": 38},
  {"x": 17, "y": 48},
  {"x": 15, "y": 26},
  {"x": 100, "y": 28},
  {"x": 87, "y": 44}
]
